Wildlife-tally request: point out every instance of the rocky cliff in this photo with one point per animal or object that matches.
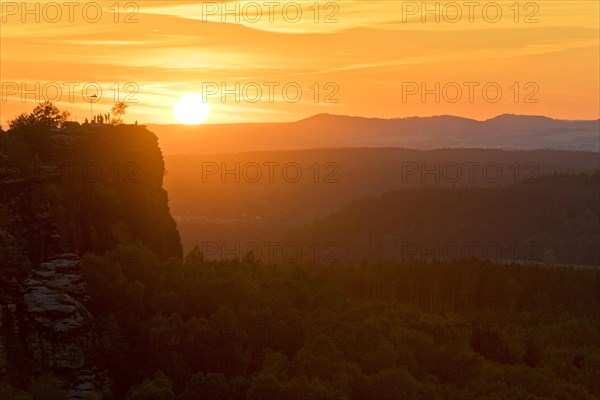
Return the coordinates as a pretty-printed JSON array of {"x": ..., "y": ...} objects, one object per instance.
[
  {"x": 87, "y": 189},
  {"x": 64, "y": 193},
  {"x": 46, "y": 327}
]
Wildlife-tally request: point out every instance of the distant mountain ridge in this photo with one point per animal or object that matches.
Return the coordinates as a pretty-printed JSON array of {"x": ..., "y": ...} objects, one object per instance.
[{"x": 507, "y": 131}]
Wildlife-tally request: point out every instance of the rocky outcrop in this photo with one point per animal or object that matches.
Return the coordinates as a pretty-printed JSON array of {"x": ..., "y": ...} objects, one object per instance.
[
  {"x": 65, "y": 193},
  {"x": 50, "y": 325},
  {"x": 53, "y": 297},
  {"x": 87, "y": 190}
]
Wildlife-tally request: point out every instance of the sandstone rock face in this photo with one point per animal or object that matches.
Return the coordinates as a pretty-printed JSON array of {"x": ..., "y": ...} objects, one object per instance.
[
  {"x": 51, "y": 323},
  {"x": 65, "y": 193},
  {"x": 53, "y": 298},
  {"x": 90, "y": 190}
]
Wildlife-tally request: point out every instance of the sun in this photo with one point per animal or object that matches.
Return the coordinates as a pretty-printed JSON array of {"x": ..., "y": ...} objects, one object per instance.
[{"x": 191, "y": 109}]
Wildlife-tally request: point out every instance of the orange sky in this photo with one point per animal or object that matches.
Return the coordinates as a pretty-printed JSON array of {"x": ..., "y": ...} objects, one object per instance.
[{"x": 372, "y": 57}]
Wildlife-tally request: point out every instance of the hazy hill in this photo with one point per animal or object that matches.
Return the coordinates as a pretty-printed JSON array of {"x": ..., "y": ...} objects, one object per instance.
[
  {"x": 223, "y": 206},
  {"x": 553, "y": 220},
  {"x": 327, "y": 131}
]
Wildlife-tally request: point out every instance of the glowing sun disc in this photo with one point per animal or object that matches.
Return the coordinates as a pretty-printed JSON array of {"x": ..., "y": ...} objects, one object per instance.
[{"x": 191, "y": 110}]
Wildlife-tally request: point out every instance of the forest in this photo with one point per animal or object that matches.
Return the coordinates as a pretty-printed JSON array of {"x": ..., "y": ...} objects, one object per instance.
[
  {"x": 553, "y": 220},
  {"x": 443, "y": 330},
  {"x": 368, "y": 323},
  {"x": 244, "y": 330},
  {"x": 218, "y": 197}
]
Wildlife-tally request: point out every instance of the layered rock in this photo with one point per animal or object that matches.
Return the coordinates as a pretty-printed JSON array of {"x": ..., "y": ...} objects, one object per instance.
[
  {"x": 63, "y": 193},
  {"x": 88, "y": 190},
  {"x": 49, "y": 323}
]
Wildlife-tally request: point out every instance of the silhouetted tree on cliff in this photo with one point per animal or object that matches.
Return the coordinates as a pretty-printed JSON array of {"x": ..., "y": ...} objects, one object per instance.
[
  {"x": 45, "y": 115},
  {"x": 118, "y": 110}
]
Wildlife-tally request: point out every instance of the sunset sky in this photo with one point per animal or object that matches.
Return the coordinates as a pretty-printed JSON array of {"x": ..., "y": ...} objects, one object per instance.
[{"x": 369, "y": 56}]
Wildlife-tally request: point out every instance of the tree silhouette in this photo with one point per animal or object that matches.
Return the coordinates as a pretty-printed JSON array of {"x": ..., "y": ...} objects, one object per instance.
[
  {"x": 118, "y": 110},
  {"x": 45, "y": 115}
]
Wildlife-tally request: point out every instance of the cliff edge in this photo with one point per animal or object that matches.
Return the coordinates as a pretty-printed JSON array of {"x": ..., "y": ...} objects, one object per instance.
[{"x": 66, "y": 192}]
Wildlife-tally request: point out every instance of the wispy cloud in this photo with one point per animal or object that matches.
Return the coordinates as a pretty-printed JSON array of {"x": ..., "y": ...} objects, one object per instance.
[{"x": 366, "y": 48}]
